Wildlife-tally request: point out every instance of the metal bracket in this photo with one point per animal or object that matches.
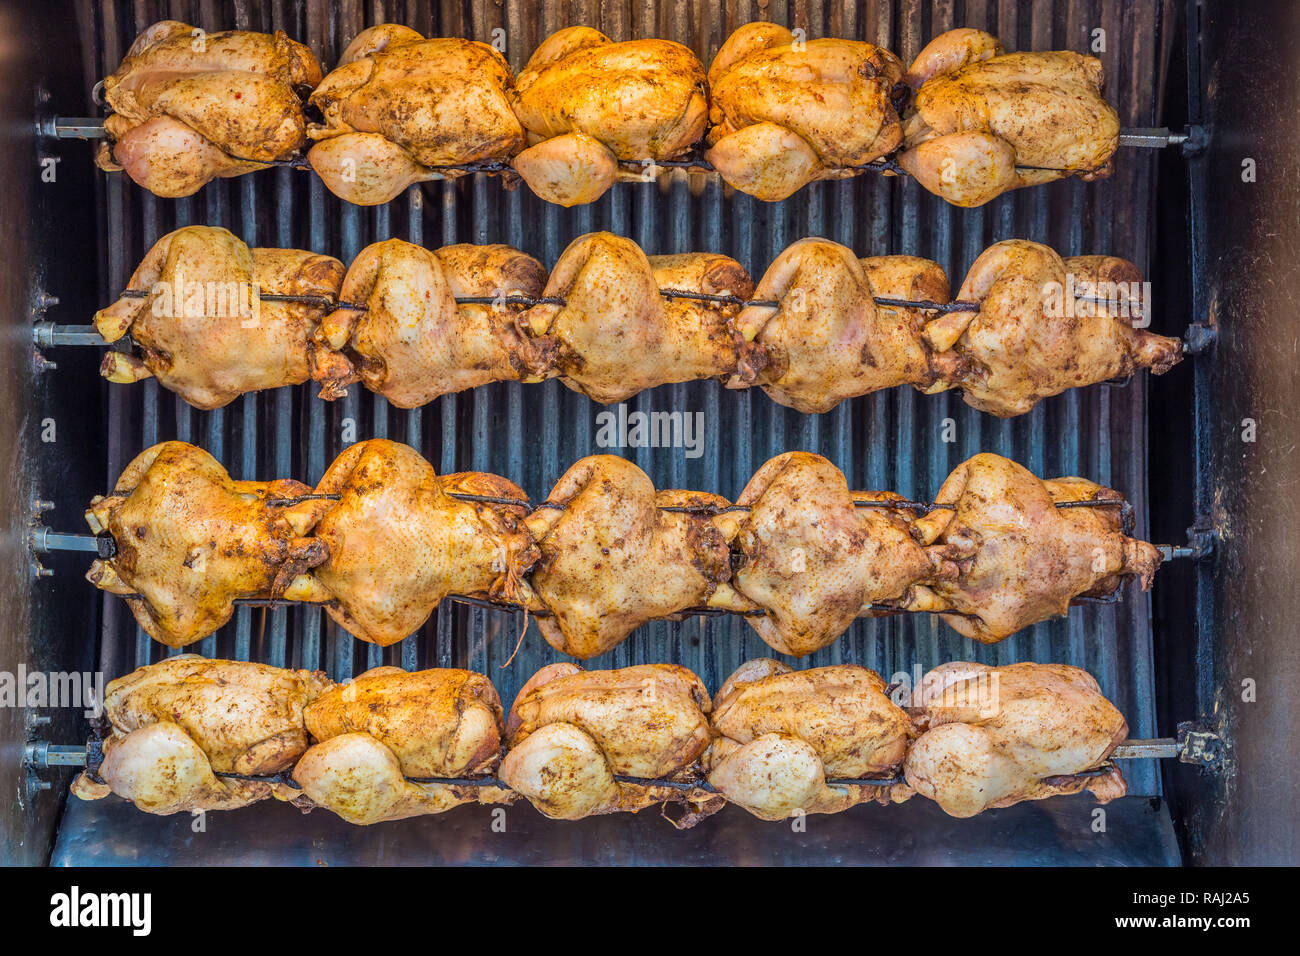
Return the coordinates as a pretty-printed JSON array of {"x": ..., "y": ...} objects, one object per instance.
[{"x": 1200, "y": 745}]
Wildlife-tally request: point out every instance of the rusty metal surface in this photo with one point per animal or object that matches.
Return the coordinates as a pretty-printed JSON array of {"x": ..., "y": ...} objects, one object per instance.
[{"x": 530, "y": 434}]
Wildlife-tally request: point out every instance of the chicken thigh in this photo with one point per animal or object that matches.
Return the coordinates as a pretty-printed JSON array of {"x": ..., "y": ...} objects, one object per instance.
[
  {"x": 189, "y": 541},
  {"x": 412, "y": 341},
  {"x": 786, "y": 740},
  {"x": 588, "y": 104},
  {"x": 398, "y": 108},
  {"x": 1005, "y": 556},
  {"x": 190, "y": 106},
  {"x": 787, "y": 112},
  {"x": 995, "y": 736},
  {"x": 203, "y": 330},
  {"x": 983, "y": 121}
]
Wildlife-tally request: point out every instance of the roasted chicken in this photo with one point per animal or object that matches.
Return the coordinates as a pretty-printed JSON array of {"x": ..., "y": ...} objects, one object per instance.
[
  {"x": 617, "y": 334},
  {"x": 1005, "y": 556},
  {"x": 577, "y": 736},
  {"x": 398, "y": 109},
  {"x": 179, "y": 723},
  {"x": 189, "y": 106},
  {"x": 826, "y": 339},
  {"x": 588, "y": 104},
  {"x": 994, "y": 736},
  {"x": 780, "y": 736},
  {"x": 387, "y": 726},
  {"x": 203, "y": 330},
  {"x": 812, "y": 560},
  {"x": 189, "y": 541},
  {"x": 413, "y": 342},
  {"x": 397, "y": 542},
  {"x": 611, "y": 558},
  {"x": 983, "y": 121},
  {"x": 787, "y": 112}
]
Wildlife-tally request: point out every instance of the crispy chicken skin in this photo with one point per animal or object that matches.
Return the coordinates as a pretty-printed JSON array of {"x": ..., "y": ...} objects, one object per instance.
[
  {"x": 613, "y": 559},
  {"x": 827, "y": 340},
  {"x": 995, "y": 736},
  {"x": 780, "y": 736},
  {"x": 983, "y": 121},
  {"x": 616, "y": 335},
  {"x": 398, "y": 543},
  {"x": 190, "y": 106},
  {"x": 180, "y": 722},
  {"x": 812, "y": 559},
  {"x": 414, "y": 342},
  {"x": 203, "y": 330},
  {"x": 1005, "y": 557},
  {"x": 398, "y": 106},
  {"x": 386, "y": 726},
  {"x": 1033, "y": 337},
  {"x": 573, "y": 733},
  {"x": 190, "y": 541},
  {"x": 786, "y": 113},
  {"x": 587, "y": 103}
]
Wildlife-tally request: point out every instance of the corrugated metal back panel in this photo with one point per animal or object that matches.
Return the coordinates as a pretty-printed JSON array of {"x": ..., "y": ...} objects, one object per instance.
[{"x": 531, "y": 434}]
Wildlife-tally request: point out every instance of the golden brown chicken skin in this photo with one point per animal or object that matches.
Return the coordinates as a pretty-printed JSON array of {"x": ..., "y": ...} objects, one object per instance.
[
  {"x": 190, "y": 106},
  {"x": 203, "y": 330}
]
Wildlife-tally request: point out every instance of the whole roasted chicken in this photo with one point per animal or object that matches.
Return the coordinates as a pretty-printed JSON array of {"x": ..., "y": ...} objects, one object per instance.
[
  {"x": 983, "y": 121},
  {"x": 202, "y": 328},
  {"x": 787, "y": 742},
  {"x": 1046, "y": 324},
  {"x": 180, "y": 723},
  {"x": 826, "y": 339},
  {"x": 618, "y": 334},
  {"x": 612, "y": 558},
  {"x": 813, "y": 560},
  {"x": 189, "y": 541},
  {"x": 995, "y": 736},
  {"x": 413, "y": 342},
  {"x": 377, "y": 732},
  {"x": 1005, "y": 556},
  {"x": 189, "y": 106},
  {"x": 787, "y": 111},
  {"x": 398, "y": 542},
  {"x": 589, "y": 104},
  {"x": 588, "y": 742},
  {"x": 399, "y": 108}
]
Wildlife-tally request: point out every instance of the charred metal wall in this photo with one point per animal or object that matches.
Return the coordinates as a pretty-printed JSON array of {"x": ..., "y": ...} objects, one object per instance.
[{"x": 531, "y": 434}]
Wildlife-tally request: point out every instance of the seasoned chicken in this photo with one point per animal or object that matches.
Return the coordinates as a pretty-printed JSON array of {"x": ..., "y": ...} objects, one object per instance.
[
  {"x": 1005, "y": 556},
  {"x": 588, "y": 103},
  {"x": 387, "y": 726},
  {"x": 1040, "y": 329},
  {"x": 812, "y": 559},
  {"x": 612, "y": 559},
  {"x": 190, "y": 106},
  {"x": 617, "y": 335},
  {"x": 203, "y": 329},
  {"x": 784, "y": 738},
  {"x": 190, "y": 541},
  {"x": 787, "y": 112},
  {"x": 398, "y": 542},
  {"x": 983, "y": 121},
  {"x": 826, "y": 339},
  {"x": 994, "y": 736},
  {"x": 413, "y": 342},
  {"x": 398, "y": 108},
  {"x": 180, "y": 722},
  {"x": 576, "y": 736}
]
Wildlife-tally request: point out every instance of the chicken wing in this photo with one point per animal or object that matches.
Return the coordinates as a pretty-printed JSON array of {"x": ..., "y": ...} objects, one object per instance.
[
  {"x": 995, "y": 736},
  {"x": 588, "y": 103},
  {"x": 787, "y": 112},
  {"x": 190, "y": 106}
]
